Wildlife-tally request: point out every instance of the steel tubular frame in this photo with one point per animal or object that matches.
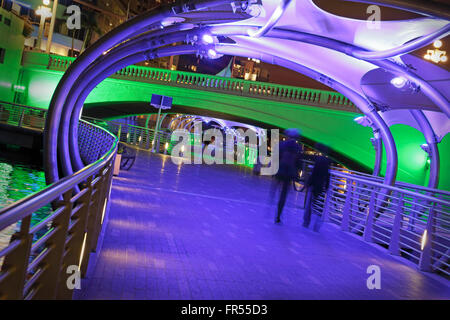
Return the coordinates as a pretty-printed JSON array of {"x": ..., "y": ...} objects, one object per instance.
[
  {"x": 140, "y": 46},
  {"x": 76, "y": 218},
  {"x": 58, "y": 108},
  {"x": 359, "y": 101}
]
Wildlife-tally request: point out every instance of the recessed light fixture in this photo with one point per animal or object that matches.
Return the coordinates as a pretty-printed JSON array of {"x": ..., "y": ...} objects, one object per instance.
[{"x": 398, "y": 82}]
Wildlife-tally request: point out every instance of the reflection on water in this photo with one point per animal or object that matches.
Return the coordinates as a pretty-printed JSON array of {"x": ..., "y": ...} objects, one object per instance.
[{"x": 16, "y": 182}]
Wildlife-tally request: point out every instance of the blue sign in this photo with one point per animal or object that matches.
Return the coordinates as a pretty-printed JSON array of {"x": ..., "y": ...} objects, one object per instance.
[{"x": 161, "y": 102}]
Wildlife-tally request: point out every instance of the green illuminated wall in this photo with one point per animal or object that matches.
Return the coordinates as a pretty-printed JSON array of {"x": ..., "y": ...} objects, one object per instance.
[
  {"x": 444, "y": 152},
  {"x": 12, "y": 41}
]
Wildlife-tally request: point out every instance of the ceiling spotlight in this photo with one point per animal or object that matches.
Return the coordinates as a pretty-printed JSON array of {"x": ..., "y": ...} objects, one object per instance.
[
  {"x": 398, "y": 82},
  {"x": 444, "y": 59},
  {"x": 46, "y": 2},
  {"x": 437, "y": 44},
  {"x": 212, "y": 53},
  {"x": 207, "y": 38}
]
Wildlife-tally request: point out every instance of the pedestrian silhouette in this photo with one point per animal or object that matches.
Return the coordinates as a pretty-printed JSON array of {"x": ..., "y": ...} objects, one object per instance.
[
  {"x": 290, "y": 160},
  {"x": 316, "y": 183}
]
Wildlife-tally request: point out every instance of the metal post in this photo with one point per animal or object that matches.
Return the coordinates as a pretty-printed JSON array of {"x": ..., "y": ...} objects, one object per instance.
[
  {"x": 394, "y": 244},
  {"x": 425, "y": 257},
  {"x": 52, "y": 25},
  {"x": 41, "y": 31},
  {"x": 119, "y": 132},
  {"x": 347, "y": 204},
  {"x": 156, "y": 129},
  {"x": 368, "y": 230},
  {"x": 20, "y": 121},
  {"x": 326, "y": 206}
]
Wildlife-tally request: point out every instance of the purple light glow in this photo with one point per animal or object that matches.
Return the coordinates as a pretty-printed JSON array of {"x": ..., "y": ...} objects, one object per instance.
[
  {"x": 207, "y": 38},
  {"x": 398, "y": 82}
]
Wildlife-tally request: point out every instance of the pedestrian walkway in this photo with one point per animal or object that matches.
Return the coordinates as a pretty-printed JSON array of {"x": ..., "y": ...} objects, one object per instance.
[{"x": 207, "y": 232}]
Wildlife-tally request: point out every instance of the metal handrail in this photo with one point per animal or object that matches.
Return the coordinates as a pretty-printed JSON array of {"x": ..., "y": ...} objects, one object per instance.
[
  {"x": 31, "y": 203},
  {"x": 33, "y": 264},
  {"x": 409, "y": 223},
  {"x": 391, "y": 188}
]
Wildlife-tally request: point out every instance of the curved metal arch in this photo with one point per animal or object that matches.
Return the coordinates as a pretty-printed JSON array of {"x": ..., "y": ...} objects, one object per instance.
[
  {"x": 192, "y": 124},
  {"x": 132, "y": 59},
  {"x": 138, "y": 24},
  {"x": 123, "y": 33},
  {"x": 348, "y": 49},
  {"x": 183, "y": 123},
  {"x": 363, "y": 54},
  {"x": 430, "y": 138},
  {"x": 93, "y": 76},
  {"x": 358, "y": 100},
  {"x": 372, "y": 116},
  {"x": 169, "y": 126}
]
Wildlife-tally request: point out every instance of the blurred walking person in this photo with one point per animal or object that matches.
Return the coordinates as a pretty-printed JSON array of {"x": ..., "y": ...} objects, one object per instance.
[
  {"x": 289, "y": 163},
  {"x": 317, "y": 182}
]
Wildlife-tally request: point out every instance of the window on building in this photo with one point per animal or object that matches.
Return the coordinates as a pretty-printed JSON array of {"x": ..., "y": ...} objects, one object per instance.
[
  {"x": 2, "y": 55},
  {"x": 7, "y": 21}
]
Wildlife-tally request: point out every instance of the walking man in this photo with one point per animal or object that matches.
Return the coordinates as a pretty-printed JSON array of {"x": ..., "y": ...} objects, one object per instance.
[
  {"x": 289, "y": 164},
  {"x": 317, "y": 182}
]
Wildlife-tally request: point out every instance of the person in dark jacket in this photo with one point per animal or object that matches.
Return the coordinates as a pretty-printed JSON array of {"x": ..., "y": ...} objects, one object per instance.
[
  {"x": 316, "y": 183},
  {"x": 290, "y": 161}
]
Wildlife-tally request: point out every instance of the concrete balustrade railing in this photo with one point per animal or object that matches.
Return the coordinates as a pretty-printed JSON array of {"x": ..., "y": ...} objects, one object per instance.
[{"x": 246, "y": 88}]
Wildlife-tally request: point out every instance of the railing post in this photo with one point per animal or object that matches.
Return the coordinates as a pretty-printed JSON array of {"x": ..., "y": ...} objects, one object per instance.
[
  {"x": 57, "y": 243},
  {"x": 425, "y": 256},
  {"x": 326, "y": 206},
  {"x": 158, "y": 145},
  {"x": 368, "y": 229},
  {"x": 90, "y": 231},
  {"x": 103, "y": 190},
  {"x": 413, "y": 214},
  {"x": 147, "y": 139},
  {"x": 245, "y": 88},
  {"x": 16, "y": 263},
  {"x": 394, "y": 244},
  {"x": 73, "y": 256},
  {"x": 346, "y": 212},
  {"x": 119, "y": 132},
  {"x": 20, "y": 121}
]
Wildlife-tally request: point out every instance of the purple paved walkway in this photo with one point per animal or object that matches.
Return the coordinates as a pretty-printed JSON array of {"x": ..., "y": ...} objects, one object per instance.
[{"x": 207, "y": 232}]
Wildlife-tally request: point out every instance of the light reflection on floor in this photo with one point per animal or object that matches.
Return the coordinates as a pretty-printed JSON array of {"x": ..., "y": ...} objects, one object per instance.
[{"x": 207, "y": 232}]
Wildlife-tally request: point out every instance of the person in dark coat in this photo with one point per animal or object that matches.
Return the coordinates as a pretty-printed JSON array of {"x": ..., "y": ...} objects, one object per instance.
[
  {"x": 290, "y": 161},
  {"x": 316, "y": 183}
]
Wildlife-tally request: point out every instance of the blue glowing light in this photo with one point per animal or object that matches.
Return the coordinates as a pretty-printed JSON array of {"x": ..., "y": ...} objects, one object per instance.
[
  {"x": 207, "y": 38},
  {"x": 212, "y": 53},
  {"x": 398, "y": 82}
]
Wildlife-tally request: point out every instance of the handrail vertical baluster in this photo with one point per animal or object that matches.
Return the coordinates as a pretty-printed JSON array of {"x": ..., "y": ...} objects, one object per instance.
[{"x": 394, "y": 244}]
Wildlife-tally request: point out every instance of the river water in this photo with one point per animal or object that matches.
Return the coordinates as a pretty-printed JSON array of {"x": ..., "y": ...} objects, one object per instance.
[{"x": 18, "y": 180}]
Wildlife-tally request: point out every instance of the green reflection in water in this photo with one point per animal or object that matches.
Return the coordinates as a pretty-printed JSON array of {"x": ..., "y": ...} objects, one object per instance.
[{"x": 16, "y": 182}]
